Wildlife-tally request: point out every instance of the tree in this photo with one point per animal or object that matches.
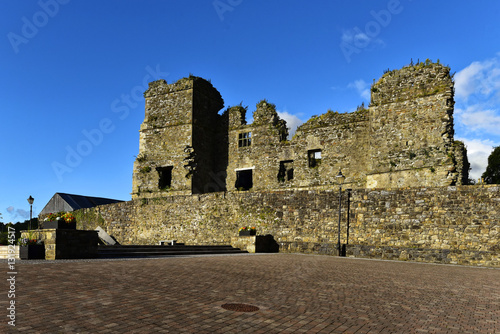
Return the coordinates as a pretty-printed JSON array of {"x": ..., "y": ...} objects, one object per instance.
[{"x": 492, "y": 173}]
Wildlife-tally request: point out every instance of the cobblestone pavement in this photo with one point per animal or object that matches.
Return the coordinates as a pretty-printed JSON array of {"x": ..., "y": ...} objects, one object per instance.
[{"x": 295, "y": 294}]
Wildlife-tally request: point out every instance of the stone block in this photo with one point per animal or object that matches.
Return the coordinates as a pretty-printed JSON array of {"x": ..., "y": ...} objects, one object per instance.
[{"x": 67, "y": 244}]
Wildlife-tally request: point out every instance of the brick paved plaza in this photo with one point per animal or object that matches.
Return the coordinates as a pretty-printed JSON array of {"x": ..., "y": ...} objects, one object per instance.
[{"x": 295, "y": 294}]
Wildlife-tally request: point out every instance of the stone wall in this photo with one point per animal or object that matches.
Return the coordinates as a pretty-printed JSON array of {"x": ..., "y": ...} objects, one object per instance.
[
  {"x": 4, "y": 252},
  {"x": 445, "y": 224}
]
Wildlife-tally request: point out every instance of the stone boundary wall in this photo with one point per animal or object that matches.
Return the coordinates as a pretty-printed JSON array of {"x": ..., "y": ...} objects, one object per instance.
[
  {"x": 4, "y": 252},
  {"x": 457, "y": 225}
]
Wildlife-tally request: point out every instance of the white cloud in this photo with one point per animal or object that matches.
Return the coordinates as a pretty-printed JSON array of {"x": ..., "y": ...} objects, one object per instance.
[
  {"x": 362, "y": 88},
  {"x": 477, "y": 119},
  {"x": 478, "y": 152},
  {"x": 292, "y": 121},
  {"x": 477, "y": 110},
  {"x": 360, "y": 40},
  {"x": 466, "y": 80},
  {"x": 480, "y": 79},
  {"x": 16, "y": 214}
]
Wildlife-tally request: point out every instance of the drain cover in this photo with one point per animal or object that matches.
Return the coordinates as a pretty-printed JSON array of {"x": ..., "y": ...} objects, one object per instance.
[{"x": 240, "y": 307}]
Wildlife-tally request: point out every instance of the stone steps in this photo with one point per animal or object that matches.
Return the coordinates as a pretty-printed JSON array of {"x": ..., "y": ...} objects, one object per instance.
[{"x": 118, "y": 251}]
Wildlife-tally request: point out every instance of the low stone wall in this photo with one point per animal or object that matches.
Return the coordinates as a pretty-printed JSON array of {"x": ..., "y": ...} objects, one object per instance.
[
  {"x": 66, "y": 244},
  {"x": 447, "y": 224},
  {"x": 4, "y": 252},
  {"x": 429, "y": 255},
  {"x": 256, "y": 243}
]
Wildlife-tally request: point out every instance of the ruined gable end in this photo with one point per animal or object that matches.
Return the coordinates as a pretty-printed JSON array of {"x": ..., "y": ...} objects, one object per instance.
[{"x": 411, "y": 126}]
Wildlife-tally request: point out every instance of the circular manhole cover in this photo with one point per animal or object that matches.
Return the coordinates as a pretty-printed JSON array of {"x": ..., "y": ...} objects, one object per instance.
[{"x": 240, "y": 307}]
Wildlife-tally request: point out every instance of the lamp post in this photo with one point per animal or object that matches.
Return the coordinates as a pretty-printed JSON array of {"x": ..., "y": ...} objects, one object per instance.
[
  {"x": 348, "y": 209},
  {"x": 340, "y": 179},
  {"x": 30, "y": 201}
]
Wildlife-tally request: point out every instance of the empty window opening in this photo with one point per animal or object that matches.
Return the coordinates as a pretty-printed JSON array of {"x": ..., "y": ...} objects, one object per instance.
[
  {"x": 286, "y": 171},
  {"x": 244, "y": 139},
  {"x": 244, "y": 179},
  {"x": 164, "y": 177},
  {"x": 314, "y": 158}
]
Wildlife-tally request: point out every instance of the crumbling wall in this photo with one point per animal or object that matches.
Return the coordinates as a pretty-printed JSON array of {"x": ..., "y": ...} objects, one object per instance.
[
  {"x": 403, "y": 139},
  {"x": 311, "y": 158},
  {"x": 411, "y": 128},
  {"x": 342, "y": 140},
  {"x": 256, "y": 148}
]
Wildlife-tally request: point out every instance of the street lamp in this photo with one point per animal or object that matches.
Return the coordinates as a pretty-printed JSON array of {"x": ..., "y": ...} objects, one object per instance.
[
  {"x": 30, "y": 201},
  {"x": 340, "y": 179},
  {"x": 348, "y": 214}
]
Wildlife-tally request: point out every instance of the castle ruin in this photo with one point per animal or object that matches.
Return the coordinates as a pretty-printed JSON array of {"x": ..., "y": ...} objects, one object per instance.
[
  {"x": 403, "y": 139},
  {"x": 200, "y": 175}
]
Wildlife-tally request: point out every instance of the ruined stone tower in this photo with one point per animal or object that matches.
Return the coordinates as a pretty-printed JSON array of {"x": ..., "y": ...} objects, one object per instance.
[
  {"x": 177, "y": 139},
  {"x": 411, "y": 129}
]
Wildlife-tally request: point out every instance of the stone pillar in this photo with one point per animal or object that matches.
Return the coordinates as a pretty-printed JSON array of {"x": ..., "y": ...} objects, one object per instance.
[
  {"x": 255, "y": 243},
  {"x": 66, "y": 244}
]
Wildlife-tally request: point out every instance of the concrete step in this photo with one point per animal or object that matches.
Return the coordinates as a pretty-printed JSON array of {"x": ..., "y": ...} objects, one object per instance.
[{"x": 154, "y": 251}]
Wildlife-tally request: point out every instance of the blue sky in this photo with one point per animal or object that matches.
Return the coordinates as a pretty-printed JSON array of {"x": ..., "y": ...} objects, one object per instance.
[{"x": 73, "y": 73}]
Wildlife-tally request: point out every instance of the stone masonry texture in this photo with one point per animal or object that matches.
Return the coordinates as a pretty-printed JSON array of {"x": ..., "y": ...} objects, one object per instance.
[{"x": 457, "y": 225}]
